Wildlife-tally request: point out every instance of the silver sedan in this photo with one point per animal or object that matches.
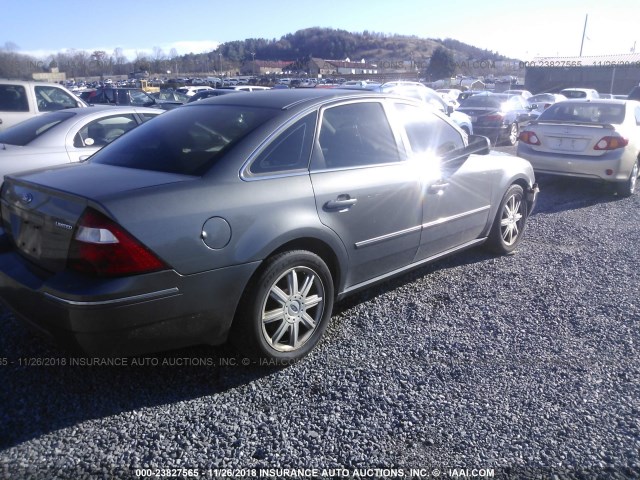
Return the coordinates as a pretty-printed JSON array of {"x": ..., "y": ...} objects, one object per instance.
[
  {"x": 66, "y": 136},
  {"x": 597, "y": 139}
]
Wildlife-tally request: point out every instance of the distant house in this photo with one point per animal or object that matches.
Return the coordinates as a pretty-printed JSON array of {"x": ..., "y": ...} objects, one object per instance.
[
  {"x": 616, "y": 74},
  {"x": 319, "y": 66},
  {"x": 264, "y": 67},
  {"x": 472, "y": 84}
]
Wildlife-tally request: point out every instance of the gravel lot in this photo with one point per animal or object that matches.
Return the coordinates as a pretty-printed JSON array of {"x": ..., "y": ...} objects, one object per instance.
[{"x": 526, "y": 364}]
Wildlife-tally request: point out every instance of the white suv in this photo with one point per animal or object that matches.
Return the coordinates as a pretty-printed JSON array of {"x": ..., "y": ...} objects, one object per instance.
[
  {"x": 21, "y": 100},
  {"x": 190, "y": 91}
]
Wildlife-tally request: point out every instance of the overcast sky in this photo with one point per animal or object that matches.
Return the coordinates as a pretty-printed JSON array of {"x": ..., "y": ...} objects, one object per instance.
[{"x": 516, "y": 29}]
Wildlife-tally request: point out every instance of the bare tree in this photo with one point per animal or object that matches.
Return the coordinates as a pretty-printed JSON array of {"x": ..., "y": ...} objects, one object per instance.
[{"x": 120, "y": 60}]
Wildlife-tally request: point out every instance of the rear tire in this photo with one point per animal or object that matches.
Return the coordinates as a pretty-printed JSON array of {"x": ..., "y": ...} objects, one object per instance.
[
  {"x": 286, "y": 308},
  {"x": 512, "y": 137},
  {"x": 509, "y": 224},
  {"x": 629, "y": 187}
]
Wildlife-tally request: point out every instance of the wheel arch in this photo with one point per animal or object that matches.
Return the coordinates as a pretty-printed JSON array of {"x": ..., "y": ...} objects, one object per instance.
[{"x": 311, "y": 244}]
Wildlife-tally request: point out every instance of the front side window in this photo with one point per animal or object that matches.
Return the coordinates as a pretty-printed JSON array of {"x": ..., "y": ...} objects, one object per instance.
[
  {"x": 105, "y": 130},
  {"x": 427, "y": 133},
  {"x": 53, "y": 98},
  {"x": 357, "y": 134}
]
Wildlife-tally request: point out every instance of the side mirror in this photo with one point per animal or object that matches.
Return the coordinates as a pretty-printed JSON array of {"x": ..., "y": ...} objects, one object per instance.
[{"x": 478, "y": 145}]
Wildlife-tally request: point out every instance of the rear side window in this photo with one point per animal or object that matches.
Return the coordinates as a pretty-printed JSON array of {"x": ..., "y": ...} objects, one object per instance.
[
  {"x": 13, "y": 98},
  {"x": 105, "y": 130},
  {"x": 187, "y": 140},
  {"x": 357, "y": 134},
  {"x": 289, "y": 151}
]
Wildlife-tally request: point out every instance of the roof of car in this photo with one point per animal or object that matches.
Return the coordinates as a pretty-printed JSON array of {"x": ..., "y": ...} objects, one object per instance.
[{"x": 284, "y": 99}]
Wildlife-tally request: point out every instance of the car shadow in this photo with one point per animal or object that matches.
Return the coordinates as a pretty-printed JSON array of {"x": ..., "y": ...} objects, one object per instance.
[
  {"x": 45, "y": 388},
  {"x": 39, "y": 379},
  {"x": 558, "y": 194}
]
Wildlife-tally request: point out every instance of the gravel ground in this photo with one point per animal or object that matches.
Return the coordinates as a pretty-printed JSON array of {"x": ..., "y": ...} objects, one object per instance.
[{"x": 526, "y": 364}]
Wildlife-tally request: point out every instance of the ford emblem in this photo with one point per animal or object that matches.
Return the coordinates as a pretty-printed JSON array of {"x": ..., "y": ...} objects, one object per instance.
[{"x": 26, "y": 198}]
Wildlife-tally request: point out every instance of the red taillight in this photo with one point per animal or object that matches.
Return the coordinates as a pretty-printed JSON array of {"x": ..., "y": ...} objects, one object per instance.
[
  {"x": 529, "y": 137},
  {"x": 493, "y": 118},
  {"x": 611, "y": 143},
  {"x": 102, "y": 247}
]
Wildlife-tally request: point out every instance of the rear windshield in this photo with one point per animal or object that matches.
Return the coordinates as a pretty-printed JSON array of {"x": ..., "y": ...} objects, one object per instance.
[
  {"x": 187, "y": 140},
  {"x": 574, "y": 93},
  {"x": 483, "y": 101},
  {"x": 25, "y": 132},
  {"x": 584, "y": 113}
]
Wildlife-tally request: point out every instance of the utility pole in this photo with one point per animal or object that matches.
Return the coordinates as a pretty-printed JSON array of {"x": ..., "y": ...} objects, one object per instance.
[{"x": 584, "y": 31}]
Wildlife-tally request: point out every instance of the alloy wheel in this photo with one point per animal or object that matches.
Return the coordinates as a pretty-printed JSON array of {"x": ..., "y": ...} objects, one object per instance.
[{"x": 293, "y": 309}]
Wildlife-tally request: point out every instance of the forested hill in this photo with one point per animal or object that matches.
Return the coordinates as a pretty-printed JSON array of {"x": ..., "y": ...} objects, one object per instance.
[{"x": 339, "y": 44}]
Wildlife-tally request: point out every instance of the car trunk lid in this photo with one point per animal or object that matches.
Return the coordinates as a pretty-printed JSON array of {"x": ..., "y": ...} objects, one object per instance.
[
  {"x": 570, "y": 138},
  {"x": 41, "y": 218}
]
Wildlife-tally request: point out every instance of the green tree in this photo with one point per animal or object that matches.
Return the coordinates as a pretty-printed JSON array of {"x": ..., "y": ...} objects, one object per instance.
[{"x": 441, "y": 65}]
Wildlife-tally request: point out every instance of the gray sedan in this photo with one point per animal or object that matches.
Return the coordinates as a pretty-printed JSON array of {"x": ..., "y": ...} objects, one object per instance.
[
  {"x": 246, "y": 217},
  {"x": 65, "y": 136}
]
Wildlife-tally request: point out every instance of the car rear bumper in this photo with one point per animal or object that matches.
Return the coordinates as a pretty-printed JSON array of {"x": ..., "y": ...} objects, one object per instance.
[
  {"x": 610, "y": 167},
  {"x": 124, "y": 316},
  {"x": 493, "y": 132}
]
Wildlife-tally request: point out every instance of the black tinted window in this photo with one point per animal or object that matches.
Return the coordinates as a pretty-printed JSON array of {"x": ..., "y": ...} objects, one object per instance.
[
  {"x": 289, "y": 151},
  {"x": 13, "y": 98},
  {"x": 187, "y": 140},
  {"x": 357, "y": 134},
  {"x": 482, "y": 101}
]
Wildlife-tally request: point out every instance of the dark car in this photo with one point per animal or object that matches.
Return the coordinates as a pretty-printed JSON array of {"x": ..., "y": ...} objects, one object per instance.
[
  {"x": 245, "y": 217},
  {"x": 126, "y": 96},
  {"x": 498, "y": 116}
]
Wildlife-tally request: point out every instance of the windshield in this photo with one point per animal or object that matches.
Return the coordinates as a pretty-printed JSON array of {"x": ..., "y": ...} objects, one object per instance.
[
  {"x": 584, "y": 113},
  {"x": 26, "y": 132},
  {"x": 187, "y": 140}
]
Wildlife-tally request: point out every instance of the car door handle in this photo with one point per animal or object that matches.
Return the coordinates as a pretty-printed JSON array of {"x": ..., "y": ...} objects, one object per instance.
[
  {"x": 343, "y": 202},
  {"x": 437, "y": 187}
]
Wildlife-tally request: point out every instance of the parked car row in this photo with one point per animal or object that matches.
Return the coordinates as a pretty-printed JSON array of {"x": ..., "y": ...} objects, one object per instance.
[{"x": 246, "y": 216}]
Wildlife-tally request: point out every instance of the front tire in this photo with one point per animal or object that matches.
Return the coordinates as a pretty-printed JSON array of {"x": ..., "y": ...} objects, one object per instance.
[
  {"x": 286, "y": 309},
  {"x": 628, "y": 188},
  {"x": 508, "y": 226}
]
